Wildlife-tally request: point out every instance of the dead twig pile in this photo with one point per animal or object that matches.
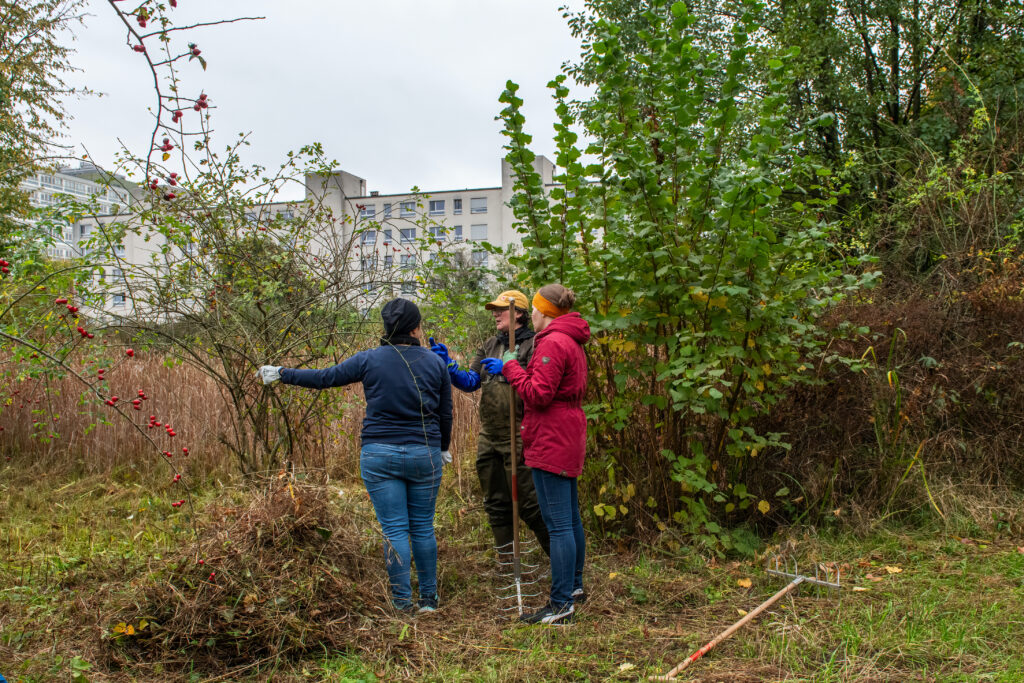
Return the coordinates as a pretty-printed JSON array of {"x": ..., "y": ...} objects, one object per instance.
[{"x": 290, "y": 573}]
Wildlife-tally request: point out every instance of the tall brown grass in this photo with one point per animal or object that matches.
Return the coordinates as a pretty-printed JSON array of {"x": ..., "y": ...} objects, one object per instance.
[{"x": 94, "y": 438}]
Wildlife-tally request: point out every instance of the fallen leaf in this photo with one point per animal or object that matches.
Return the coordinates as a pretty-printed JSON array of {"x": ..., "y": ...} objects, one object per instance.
[
  {"x": 893, "y": 570},
  {"x": 742, "y": 612},
  {"x": 1020, "y": 549},
  {"x": 764, "y": 506},
  {"x": 626, "y": 666},
  {"x": 860, "y": 588},
  {"x": 612, "y": 575},
  {"x": 745, "y": 583}
]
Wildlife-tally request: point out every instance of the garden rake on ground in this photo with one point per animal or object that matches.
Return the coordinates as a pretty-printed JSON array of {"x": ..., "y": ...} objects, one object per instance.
[{"x": 823, "y": 576}]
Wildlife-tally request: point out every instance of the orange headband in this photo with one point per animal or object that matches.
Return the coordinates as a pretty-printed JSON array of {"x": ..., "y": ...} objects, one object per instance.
[{"x": 546, "y": 307}]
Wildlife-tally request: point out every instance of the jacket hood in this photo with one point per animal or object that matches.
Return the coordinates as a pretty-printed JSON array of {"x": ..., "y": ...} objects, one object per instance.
[{"x": 571, "y": 324}]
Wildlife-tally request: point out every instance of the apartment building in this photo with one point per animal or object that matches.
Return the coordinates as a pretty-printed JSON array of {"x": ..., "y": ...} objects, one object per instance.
[
  {"x": 389, "y": 233},
  {"x": 85, "y": 184}
]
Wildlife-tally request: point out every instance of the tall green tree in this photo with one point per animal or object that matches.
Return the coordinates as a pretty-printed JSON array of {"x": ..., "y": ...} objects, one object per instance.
[
  {"x": 34, "y": 62},
  {"x": 690, "y": 227}
]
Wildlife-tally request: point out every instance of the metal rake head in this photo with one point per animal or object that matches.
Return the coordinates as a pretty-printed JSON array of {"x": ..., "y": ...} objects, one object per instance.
[
  {"x": 511, "y": 591},
  {"x": 787, "y": 567}
]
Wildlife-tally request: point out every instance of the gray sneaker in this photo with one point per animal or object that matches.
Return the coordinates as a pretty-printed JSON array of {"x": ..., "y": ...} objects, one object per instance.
[
  {"x": 550, "y": 614},
  {"x": 579, "y": 596},
  {"x": 427, "y": 605}
]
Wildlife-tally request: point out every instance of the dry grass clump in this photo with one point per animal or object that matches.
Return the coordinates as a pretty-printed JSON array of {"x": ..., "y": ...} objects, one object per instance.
[{"x": 287, "y": 573}]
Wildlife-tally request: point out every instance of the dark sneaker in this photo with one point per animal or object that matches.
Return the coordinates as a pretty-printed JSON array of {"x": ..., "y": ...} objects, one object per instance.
[
  {"x": 427, "y": 605},
  {"x": 404, "y": 610},
  {"x": 550, "y": 614},
  {"x": 579, "y": 596}
]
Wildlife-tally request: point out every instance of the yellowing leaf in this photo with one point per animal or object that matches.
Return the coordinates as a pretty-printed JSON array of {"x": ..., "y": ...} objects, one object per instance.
[
  {"x": 860, "y": 588},
  {"x": 719, "y": 302},
  {"x": 741, "y": 612},
  {"x": 764, "y": 506},
  {"x": 744, "y": 583},
  {"x": 893, "y": 570},
  {"x": 760, "y": 385},
  {"x": 130, "y": 630},
  {"x": 767, "y": 369},
  {"x": 612, "y": 576},
  {"x": 166, "y": 156},
  {"x": 119, "y": 628},
  {"x": 662, "y": 526},
  {"x": 729, "y": 507},
  {"x": 623, "y": 509}
]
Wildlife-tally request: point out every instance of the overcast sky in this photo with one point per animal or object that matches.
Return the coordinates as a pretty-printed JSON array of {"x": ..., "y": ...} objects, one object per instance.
[{"x": 400, "y": 92}]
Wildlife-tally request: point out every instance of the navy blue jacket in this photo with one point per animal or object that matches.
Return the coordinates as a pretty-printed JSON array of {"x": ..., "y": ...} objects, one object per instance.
[{"x": 407, "y": 388}]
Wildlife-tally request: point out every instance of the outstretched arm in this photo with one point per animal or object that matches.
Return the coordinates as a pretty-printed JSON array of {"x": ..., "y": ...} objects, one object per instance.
[{"x": 346, "y": 372}]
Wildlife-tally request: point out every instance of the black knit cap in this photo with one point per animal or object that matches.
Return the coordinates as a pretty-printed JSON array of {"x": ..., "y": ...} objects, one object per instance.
[{"x": 400, "y": 317}]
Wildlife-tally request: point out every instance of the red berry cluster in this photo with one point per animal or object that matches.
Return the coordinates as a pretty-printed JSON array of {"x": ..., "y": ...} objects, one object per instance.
[
  {"x": 111, "y": 401},
  {"x": 201, "y": 103},
  {"x": 194, "y": 50},
  {"x": 4, "y": 267},
  {"x": 167, "y": 146},
  {"x": 178, "y": 504}
]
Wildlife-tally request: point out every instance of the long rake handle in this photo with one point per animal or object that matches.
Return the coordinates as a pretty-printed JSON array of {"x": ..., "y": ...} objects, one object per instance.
[
  {"x": 790, "y": 587},
  {"x": 516, "y": 568}
]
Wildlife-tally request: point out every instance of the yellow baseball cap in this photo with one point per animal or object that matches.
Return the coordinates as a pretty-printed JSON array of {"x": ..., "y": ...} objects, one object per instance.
[{"x": 502, "y": 300}]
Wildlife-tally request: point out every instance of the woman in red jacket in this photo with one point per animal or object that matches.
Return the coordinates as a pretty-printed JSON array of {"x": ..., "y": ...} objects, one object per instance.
[{"x": 555, "y": 437}]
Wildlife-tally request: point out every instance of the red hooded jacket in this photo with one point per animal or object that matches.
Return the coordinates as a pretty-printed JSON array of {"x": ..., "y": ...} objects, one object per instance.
[{"x": 552, "y": 386}]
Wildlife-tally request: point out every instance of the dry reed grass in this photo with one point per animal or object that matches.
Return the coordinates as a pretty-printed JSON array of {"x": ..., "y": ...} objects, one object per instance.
[{"x": 93, "y": 439}]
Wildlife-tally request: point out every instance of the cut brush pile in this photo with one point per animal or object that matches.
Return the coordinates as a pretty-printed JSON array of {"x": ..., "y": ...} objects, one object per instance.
[{"x": 290, "y": 573}]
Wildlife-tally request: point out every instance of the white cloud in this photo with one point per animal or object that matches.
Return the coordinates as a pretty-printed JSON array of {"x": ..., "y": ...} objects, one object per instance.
[{"x": 400, "y": 92}]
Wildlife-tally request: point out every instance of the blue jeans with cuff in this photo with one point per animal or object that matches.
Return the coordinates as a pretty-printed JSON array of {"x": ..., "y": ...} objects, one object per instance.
[
  {"x": 560, "y": 506},
  {"x": 402, "y": 482}
]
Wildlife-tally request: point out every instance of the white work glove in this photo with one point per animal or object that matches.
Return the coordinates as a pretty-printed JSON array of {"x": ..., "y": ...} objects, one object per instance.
[
  {"x": 446, "y": 457},
  {"x": 269, "y": 373}
]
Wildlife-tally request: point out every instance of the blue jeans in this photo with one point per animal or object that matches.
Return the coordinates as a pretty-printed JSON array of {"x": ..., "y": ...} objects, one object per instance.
[
  {"x": 402, "y": 482},
  {"x": 560, "y": 506}
]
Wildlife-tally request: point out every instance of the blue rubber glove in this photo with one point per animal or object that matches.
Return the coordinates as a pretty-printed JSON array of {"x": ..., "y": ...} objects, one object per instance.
[
  {"x": 466, "y": 380},
  {"x": 493, "y": 365},
  {"x": 441, "y": 350}
]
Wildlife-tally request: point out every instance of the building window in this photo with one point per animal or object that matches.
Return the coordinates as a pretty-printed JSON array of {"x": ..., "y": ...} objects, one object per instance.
[
  {"x": 407, "y": 209},
  {"x": 117, "y": 274},
  {"x": 407, "y": 260},
  {"x": 436, "y": 207},
  {"x": 478, "y": 205},
  {"x": 478, "y": 232},
  {"x": 119, "y": 251},
  {"x": 387, "y": 211},
  {"x": 369, "y": 236},
  {"x": 368, "y": 211},
  {"x": 387, "y": 235},
  {"x": 456, "y": 206},
  {"x": 438, "y": 232},
  {"x": 479, "y": 258},
  {"x": 408, "y": 234},
  {"x": 408, "y": 288},
  {"x": 369, "y": 262},
  {"x": 457, "y": 233},
  {"x": 389, "y": 261},
  {"x": 119, "y": 299},
  {"x": 286, "y": 215}
]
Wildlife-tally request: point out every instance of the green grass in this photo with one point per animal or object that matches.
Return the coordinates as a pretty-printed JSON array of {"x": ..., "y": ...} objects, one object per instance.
[{"x": 74, "y": 551}]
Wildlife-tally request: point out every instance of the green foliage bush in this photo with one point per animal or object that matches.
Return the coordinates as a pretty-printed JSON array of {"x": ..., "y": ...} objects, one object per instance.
[{"x": 690, "y": 226}]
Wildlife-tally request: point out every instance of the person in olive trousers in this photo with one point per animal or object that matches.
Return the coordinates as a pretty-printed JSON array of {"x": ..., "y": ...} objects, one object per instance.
[{"x": 493, "y": 451}]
